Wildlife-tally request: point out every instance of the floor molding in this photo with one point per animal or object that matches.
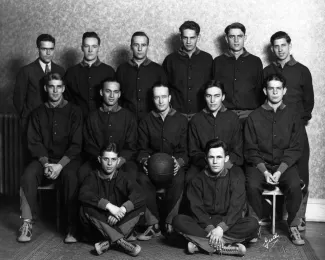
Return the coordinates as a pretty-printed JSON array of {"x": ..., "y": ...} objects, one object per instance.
[{"x": 315, "y": 210}]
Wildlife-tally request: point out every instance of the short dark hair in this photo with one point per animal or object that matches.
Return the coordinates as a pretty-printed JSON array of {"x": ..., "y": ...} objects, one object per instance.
[
  {"x": 44, "y": 38},
  {"x": 275, "y": 76},
  {"x": 90, "y": 35},
  {"x": 108, "y": 80},
  {"x": 214, "y": 83},
  {"x": 216, "y": 143},
  {"x": 139, "y": 33},
  {"x": 280, "y": 35},
  {"x": 160, "y": 84},
  {"x": 235, "y": 26},
  {"x": 190, "y": 25},
  {"x": 109, "y": 147},
  {"x": 53, "y": 76}
]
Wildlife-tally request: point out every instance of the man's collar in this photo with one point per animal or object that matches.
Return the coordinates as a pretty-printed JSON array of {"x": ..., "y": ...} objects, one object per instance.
[
  {"x": 171, "y": 112},
  {"x": 106, "y": 177},
  {"x": 182, "y": 51},
  {"x": 62, "y": 103},
  {"x": 230, "y": 54},
  {"x": 222, "y": 109},
  {"x": 105, "y": 108},
  {"x": 266, "y": 106},
  {"x": 43, "y": 64},
  {"x": 83, "y": 63},
  {"x": 208, "y": 173},
  {"x": 291, "y": 62},
  {"x": 146, "y": 62}
]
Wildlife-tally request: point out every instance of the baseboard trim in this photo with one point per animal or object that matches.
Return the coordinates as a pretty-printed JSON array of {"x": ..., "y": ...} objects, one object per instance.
[{"x": 315, "y": 210}]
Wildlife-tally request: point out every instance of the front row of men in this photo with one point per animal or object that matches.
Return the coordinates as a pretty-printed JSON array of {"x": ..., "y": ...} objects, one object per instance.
[{"x": 110, "y": 193}]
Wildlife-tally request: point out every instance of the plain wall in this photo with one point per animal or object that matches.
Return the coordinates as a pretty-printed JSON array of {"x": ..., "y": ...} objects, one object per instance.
[{"x": 23, "y": 20}]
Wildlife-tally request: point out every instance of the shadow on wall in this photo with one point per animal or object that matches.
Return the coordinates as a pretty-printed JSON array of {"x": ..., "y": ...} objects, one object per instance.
[
  {"x": 119, "y": 55},
  {"x": 221, "y": 44},
  {"x": 69, "y": 57},
  {"x": 269, "y": 57},
  {"x": 173, "y": 43}
]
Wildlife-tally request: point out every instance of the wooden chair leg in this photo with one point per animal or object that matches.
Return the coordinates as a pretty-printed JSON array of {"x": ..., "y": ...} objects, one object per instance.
[
  {"x": 273, "y": 214},
  {"x": 58, "y": 209}
]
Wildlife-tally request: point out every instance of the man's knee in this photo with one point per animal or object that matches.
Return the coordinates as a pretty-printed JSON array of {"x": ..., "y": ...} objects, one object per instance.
[{"x": 31, "y": 172}]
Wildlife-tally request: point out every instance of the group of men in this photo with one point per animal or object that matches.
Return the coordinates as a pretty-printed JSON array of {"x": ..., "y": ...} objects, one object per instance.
[{"x": 95, "y": 130}]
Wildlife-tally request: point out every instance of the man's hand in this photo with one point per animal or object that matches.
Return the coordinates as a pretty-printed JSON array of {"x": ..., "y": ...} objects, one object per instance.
[
  {"x": 176, "y": 166},
  {"x": 145, "y": 165},
  {"x": 270, "y": 178},
  {"x": 117, "y": 212},
  {"x": 47, "y": 172},
  {"x": 215, "y": 238},
  {"x": 111, "y": 220},
  {"x": 55, "y": 170},
  {"x": 276, "y": 176}
]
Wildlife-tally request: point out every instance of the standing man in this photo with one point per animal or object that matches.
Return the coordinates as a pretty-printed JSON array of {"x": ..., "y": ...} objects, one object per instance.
[
  {"x": 272, "y": 148},
  {"x": 217, "y": 198},
  {"x": 300, "y": 95},
  {"x": 111, "y": 203},
  {"x": 137, "y": 76},
  {"x": 188, "y": 69},
  {"x": 84, "y": 79},
  {"x": 163, "y": 130},
  {"x": 29, "y": 89},
  {"x": 240, "y": 72},
  {"x": 54, "y": 141},
  {"x": 214, "y": 121},
  {"x": 110, "y": 123}
]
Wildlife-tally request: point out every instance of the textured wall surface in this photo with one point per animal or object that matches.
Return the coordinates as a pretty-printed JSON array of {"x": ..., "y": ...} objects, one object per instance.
[{"x": 23, "y": 20}]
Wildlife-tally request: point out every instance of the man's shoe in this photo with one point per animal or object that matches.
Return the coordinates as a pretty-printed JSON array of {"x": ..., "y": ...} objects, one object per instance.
[
  {"x": 232, "y": 249},
  {"x": 130, "y": 249},
  {"x": 192, "y": 248},
  {"x": 295, "y": 236},
  {"x": 265, "y": 222},
  {"x": 253, "y": 240},
  {"x": 132, "y": 237},
  {"x": 102, "y": 247},
  {"x": 169, "y": 228},
  {"x": 302, "y": 225},
  {"x": 25, "y": 232},
  {"x": 71, "y": 236},
  {"x": 151, "y": 231}
]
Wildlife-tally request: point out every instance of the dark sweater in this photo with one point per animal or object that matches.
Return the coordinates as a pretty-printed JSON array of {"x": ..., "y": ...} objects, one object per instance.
[
  {"x": 168, "y": 136},
  {"x": 300, "y": 92},
  {"x": 120, "y": 191},
  {"x": 29, "y": 89},
  {"x": 119, "y": 127},
  {"x": 223, "y": 196},
  {"x": 136, "y": 83},
  {"x": 273, "y": 138},
  {"x": 83, "y": 84},
  {"x": 204, "y": 126},
  {"x": 186, "y": 77},
  {"x": 242, "y": 78},
  {"x": 55, "y": 133}
]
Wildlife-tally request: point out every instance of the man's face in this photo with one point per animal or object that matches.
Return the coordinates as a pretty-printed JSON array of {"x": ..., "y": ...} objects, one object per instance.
[
  {"x": 214, "y": 98},
  {"x": 108, "y": 162},
  {"x": 139, "y": 47},
  {"x": 110, "y": 93},
  {"x": 281, "y": 49},
  {"x": 189, "y": 39},
  {"x": 90, "y": 48},
  {"x": 236, "y": 39},
  {"x": 275, "y": 91},
  {"x": 216, "y": 159},
  {"x": 54, "y": 89},
  {"x": 161, "y": 98},
  {"x": 46, "y": 51}
]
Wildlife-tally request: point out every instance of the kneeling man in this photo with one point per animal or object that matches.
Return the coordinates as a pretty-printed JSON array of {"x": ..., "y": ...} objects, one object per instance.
[
  {"x": 111, "y": 203},
  {"x": 272, "y": 149},
  {"x": 217, "y": 198}
]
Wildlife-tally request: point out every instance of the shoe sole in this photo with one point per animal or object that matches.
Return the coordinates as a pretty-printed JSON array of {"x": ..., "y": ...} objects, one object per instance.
[
  {"x": 146, "y": 238},
  {"x": 23, "y": 241}
]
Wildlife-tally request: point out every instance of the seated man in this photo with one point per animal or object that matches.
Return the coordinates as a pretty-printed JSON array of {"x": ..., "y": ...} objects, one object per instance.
[
  {"x": 217, "y": 199},
  {"x": 54, "y": 140},
  {"x": 214, "y": 121},
  {"x": 111, "y": 203},
  {"x": 272, "y": 149},
  {"x": 110, "y": 123},
  {"x": 162, "y": 130}
]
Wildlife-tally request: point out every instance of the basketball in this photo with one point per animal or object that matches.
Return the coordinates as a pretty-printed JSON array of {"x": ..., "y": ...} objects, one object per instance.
[{"x": 160, "y": 168}]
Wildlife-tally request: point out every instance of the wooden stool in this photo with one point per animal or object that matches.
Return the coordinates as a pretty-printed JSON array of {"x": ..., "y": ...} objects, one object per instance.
[
  {"x": 274, "y": 193},
  {"x": 53, "y": 186}
]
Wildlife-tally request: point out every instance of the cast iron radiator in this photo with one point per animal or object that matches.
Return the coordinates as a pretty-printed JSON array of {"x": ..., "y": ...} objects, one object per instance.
[{"x": 11, "y": 154}]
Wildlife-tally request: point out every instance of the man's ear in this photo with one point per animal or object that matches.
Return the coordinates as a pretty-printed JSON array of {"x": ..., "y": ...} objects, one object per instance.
[
  {"x": 284, "y": 90},
  {"x": 264, "y": 90},
  {"x": 223, "y": 97},
  {"x": 98, "y": 158},
  {"x": 45, "y": 88},
  {"x": 226, "y": 38},
  {"x": 118, "y": 160},
  {"x": 198, "y": 37},
  {"x": 63, "y": 89},
  {"x": 101, "y": 92},
  {"x": 272, "y": 49},
  {"x": 169, "y": 98},
  {"x": 227, "y": 158}
]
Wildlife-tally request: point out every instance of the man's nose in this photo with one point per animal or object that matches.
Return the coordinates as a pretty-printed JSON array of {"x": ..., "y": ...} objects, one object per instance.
[{"x": 140, "y": 48}]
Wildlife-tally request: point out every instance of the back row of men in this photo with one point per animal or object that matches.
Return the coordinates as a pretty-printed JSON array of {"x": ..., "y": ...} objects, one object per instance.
[{"x": 237, "y": 85}]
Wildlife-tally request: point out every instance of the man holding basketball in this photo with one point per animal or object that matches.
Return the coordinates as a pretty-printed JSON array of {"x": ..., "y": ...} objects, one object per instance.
[{"x": 163, "y": 130}]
